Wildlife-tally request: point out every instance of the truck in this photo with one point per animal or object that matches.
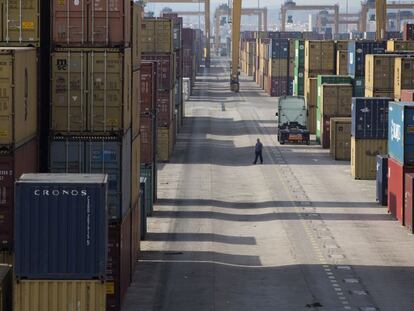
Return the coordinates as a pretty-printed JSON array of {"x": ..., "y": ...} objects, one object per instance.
[{"x": 292, "y": 118}]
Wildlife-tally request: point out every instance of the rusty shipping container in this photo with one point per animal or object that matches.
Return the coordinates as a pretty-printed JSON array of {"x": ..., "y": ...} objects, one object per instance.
[
  {"x": 340, "y": 138},
  {"x": 97, "y": 154},
  {"x": 363, "y": 157},
  {"x": 403, "y": 76},
  {"x": 157, "y": 35},
  {"x": 91, "y": 91},
  {"x": 165, "y": 108},
  {"x": 48, "y": 295},
  {"x": 5, "y": 287},
  {"x": 18, "y": 85},
  {"x": 12, "y": 165},
  {"x": 136, "y": 102},
  {"x": 119, "y": 262},
  {"x": 99, "y": 24},
  {"x": 20, "y": 23},
  {"x": 165, "y": 69},
  {"x": 148, "y": 87}
]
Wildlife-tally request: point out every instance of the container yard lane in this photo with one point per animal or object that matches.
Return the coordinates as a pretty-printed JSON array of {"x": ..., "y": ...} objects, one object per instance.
[{"x": 296, "y": 233}]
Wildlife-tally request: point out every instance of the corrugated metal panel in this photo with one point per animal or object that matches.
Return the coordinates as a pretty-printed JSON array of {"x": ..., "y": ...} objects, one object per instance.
[
  {"x": 109, "y": 155},
  {"x": 403, "y": 76},
  {"x": 165, "y": 69},
  {"x": 356, "y": 55},
  {"x": 311, "y": 101},
  {"x": 379, "y": 73},
  {"x": 5, "y": 287},
  {"x": 382, "y": 179},
  {"x": 157, "y": 35},
  {"x": 342, "y": 62},
  {"x": 320, "y": 56},
  {"x": 147, "y": 172},
  {"x": 60, "y": 226},
  {"x": 18, "y": 84},
  {"x": 78, "y": 23},
  {"x": 136, "y": 102},
  {"x": 135, "y": 170},
  {"x": 363, "y": 157},
  {"x": 77, "y": 295},
  {"x": 340, "y": 138},
  {"x": 401, "y": 132},
  {"x": 136, "y": 216},
  {"x": 20, "y": 23},
  {"x": 137, "y": 14},
  {"x": 91, "y": 91},
  {"x": 164, "y": 143}
]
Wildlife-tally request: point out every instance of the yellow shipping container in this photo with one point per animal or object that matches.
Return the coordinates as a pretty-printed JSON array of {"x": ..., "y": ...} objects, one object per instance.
[
  {"x": 340, "y": 138},
  {"x": 18, "y": 85},
  {"x": 336, "y": 100},
  {"x": 379, "y": 72},
  {"x": 342, "y": 45},
  {"x": 278, "y": 68},
  {"x": 46, "y": 295},
  {"x": 5, "y": 287},
  {"x": 165, "y": 143},
  {"x": 403, "y": 75},
  {"x": 395, "y": 46},
  {"x": 320, "y": 56},
  {"x": 311, "y": 102},
  {"x": 371, "y": 93},
  {"x": 342, "y": 63},
  {"x": 157, "y": 35},
  {"x": 364, "y": 157}
]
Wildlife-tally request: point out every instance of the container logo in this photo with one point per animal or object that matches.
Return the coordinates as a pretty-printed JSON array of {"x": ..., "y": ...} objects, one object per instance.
[
  {"x": 395, "y": 131},
  {"x": 57, "y": 192}
]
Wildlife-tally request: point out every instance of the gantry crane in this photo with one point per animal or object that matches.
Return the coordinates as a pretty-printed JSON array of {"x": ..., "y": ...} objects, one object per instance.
[
  {"x": 235, "y": 53},
  {"x": 223, "y": 11},
  {"x": 344, "y": 19},
  {"x": 206, "y": 22},
  {"x": 292, "y": 6}
]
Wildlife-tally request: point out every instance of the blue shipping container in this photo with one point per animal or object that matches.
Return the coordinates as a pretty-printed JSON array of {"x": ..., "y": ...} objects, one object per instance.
[
  {"x": 98, "y": 154},
  {"x": 370, "y": 117},
  {"x": 382, "y": 179},
  {"x": 356, "y": 55},
  {"x": 61, "y": 226},
  {"x": 401, "y": 132},
  {"x": 279, "y": 49}
]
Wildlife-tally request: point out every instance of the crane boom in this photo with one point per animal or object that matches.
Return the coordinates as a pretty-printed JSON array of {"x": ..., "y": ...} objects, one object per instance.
[{"x": 235, "y": 53}]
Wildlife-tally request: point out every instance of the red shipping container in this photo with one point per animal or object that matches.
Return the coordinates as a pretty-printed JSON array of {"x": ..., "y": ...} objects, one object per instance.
[
  {"x": 148, "y": 139},
  {"x": 13, "y": 164},
  {"x": 119, "y": 270},
  {"x": 408, "y": 202},
  {"x": 164, "y": 108},
  {"x": 165, "y": 69},
  {"x": 278, "y": 86},
  {"x": 100, "y": 23},
  {"x": 148, "y": 87},
  {"x": 408, "y": 33},
  {"x": 135, "y": 234},
  {"x": 396, "y": 188},
  {"x": 407, "y": 95}
]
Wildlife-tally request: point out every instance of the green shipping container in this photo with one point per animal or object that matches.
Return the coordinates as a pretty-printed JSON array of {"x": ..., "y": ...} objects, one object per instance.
[
  {"x": 327, "y": 79},
  {"x": 147, "y": 172},
  {"x": 299, "y": 70}
]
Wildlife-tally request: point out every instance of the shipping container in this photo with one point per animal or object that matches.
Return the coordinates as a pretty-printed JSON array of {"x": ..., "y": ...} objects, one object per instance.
[
  {"x": 403, "y": 75},
  {"x": 149, "y": 171},
  {"x": 320, "y": 56},
  {"x": 356, "y": 55},
  {"x": 341, "y": 63},
  {"x": 401, "y": 132},
  {"x": 311, "y": 102},
  {"x": 136, "y": 102},
  {"x": 148, "y": 139},
  {"x": 396, "y": 46},
  {"x": 104, "y": 154},
  {"x": 372, "y": 93},
  {"x": 277, "y": 86},
  {"x": 119, "y": 262},
  {"x": 340, "y": 138},
  {"x": 7, "y": 257},
  {"x": 48, "y": 295},
  {"x": 379, "y": 73},
  {"x": 279, "y": 49},
  {"x": 20, "y": 23},
  {"x": 363, "y": 157},
  {"x": 382, "y": 180},
  {"x": 341, "y": 45},
  {"x": 329, "y": 79},
  {"x": 143, "y": 220},
  {"x": 148, "y": 87},
  {"x": 5, "y": 287},
  {"x": 359, "y": 86},
  {"x": 408, "y": 33},
  {"x": 91, "y": 91},
  {"x": 135, "y": 167},
  {"x": 157, "y": 35},
  {"x": 60, "y": 226},
  {"x": 165, "y": 69},
  {"x": 165, "y": 143},
  {"x": 136, "y": 216},
  {"x": 396, "y": 188},
  {"x": 12, "y": 165},
  {"x": 177, "y": 29},
  {"x": 165, "y": 108},
  {"x": 407, "y": 95},
  {"x": 137, "y": 15},
  {"x": 18, "y": 84},
  {"x": 370, "y": 117},
  {"x": 408, "y": 201}
]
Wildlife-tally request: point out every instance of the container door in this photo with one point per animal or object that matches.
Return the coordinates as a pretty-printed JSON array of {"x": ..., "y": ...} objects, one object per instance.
[
  {"x": 21, "y": 21},
  {"x": 6, "y": 201},
  {"x": 6, "y": 99},
  {"x": 68, "y": 95},
  {"x": 105, "y": 157},
  {"x": 69, "y": 22},
  {"x": 409, "y": 136},
  {"x": 67, "y": 156}
]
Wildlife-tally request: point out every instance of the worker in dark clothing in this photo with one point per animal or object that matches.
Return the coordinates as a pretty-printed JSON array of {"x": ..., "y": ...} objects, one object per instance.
[{"x": 258, "y": 151}]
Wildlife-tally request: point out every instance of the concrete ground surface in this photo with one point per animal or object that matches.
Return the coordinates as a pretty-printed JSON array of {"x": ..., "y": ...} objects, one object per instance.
[{"x": 296, "y": 233}]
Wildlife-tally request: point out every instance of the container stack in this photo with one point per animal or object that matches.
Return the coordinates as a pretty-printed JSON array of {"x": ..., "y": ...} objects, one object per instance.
[
  {"x": 369, "y": 135},
  {"x": 264, "y": 64},
  {"x": 408, "y": 33},
  {"x": 19, "y": 135},
  {"x": 189, "y": 48},
  {"x": 277, "y": 81},
  {"x": 95, "y": 115},
  {"x": 248, "y": 56},
  {"x": 57, "y": 262},
  {"x": 357, "y": 50},
  {"x": 401, "y": 161},
  {"x": 299, "y": 70},
  {"x": 158, "y": 45}
]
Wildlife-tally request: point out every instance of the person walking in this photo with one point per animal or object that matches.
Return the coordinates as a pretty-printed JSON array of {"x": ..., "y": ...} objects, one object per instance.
[{"x": 258, "y": 151}]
